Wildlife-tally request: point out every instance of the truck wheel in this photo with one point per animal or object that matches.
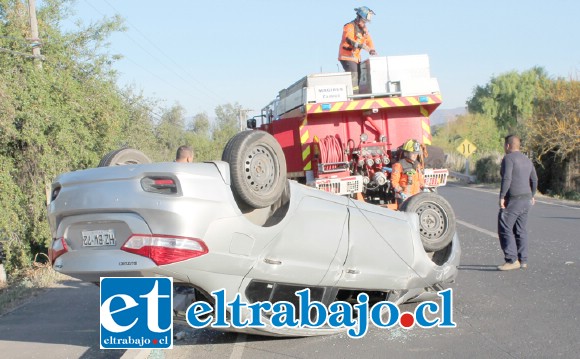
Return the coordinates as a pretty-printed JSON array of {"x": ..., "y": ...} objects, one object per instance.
[
  {"x": 124, "y": 156},
  {"x": 436, "y": 219},
  {"x": 257, "y": 168}
]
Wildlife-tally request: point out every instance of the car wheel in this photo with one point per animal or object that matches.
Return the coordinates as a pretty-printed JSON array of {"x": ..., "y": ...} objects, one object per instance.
[
  {"x": 436, "y": 219},
  {"x": 257, "y": 168},
  {"x": 124, "y": 156}
]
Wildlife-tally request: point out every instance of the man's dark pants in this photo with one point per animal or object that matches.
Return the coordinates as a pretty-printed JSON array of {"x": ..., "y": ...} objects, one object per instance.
[
  {"x": 513, "y": 235},
  {"x": 354, "y": 69}
]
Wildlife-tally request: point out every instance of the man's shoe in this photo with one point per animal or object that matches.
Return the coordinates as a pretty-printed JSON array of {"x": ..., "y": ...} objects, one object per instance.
[
  {"x": 509, "y": 266},
  {"x": 524, "y": 266}
]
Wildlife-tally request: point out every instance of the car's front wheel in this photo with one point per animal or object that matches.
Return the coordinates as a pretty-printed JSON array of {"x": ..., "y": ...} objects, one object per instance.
[
  {"x": 257, "y": 168},
  {"x": 436, "y": 219}
]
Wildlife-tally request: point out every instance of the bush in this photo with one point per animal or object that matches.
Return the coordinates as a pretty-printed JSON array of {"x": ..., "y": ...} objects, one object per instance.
[
  {"x": 455, "y": 162},
  {"x": 572, "y": 195},
  {"x": 487, "y": 169},
  {"x": 17, "y": 256}
]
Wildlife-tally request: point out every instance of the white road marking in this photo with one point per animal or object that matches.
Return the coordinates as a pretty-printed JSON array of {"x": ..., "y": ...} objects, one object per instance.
[
  {"x": 238, "y": 349},
  {"x": 484, "y": 231},
  {"x": 537, "y": 200}
]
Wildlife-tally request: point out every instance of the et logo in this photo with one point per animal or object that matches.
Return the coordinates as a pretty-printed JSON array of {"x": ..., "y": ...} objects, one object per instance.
[{"x": 136, "y": 313}]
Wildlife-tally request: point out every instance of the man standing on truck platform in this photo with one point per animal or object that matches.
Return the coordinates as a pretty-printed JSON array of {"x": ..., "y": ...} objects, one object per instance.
[
  {"x": 355, "y": 37},
  {"x": 519, "y": 183},
  {"x": 407, "y": 176}
]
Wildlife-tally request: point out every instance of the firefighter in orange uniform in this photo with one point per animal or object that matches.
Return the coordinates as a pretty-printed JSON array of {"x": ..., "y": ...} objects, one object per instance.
[
  {"x": 355, "y": 37},
  {"x": 407, "y": 176}
]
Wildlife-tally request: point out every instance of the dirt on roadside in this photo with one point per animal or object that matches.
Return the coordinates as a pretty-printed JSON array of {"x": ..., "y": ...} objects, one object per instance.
[{"x": 33, "y": 282}]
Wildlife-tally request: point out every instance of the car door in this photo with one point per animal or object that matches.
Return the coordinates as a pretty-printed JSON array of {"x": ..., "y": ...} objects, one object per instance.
[
  {"x": 380, "y": 249},
  {"x": 311, "y": 248}
]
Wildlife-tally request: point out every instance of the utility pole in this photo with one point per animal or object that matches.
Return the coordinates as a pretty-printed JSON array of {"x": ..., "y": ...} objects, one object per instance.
[{"x": 34, "y": 33}]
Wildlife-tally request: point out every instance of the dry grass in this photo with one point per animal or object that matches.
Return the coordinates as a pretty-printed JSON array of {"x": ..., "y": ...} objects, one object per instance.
[
  {"x": 456, "y": 162},
  {"x": 26, "y": 286}
]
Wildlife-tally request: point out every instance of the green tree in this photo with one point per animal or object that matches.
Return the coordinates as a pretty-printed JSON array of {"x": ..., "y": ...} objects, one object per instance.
[
  {"x": 200, "y": 125},
  {"x": 554, "y": 137},
  {"x": 555, "y": 126},
  {"x": 509, "y": 98},
  {"x": 199, "y": 135},
  {"x": 139, "y": 125},
  {"x": 66, "y": 115},
  {"x": 61, "y": 117},
  {"x": 226, "y": 126},
  {"x": 479, "y": 129},
  {"x": 171, "y": 131}
]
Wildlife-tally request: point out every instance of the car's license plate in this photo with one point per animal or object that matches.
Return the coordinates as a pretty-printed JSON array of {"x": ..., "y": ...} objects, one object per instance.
[{"x": 99, "y": 238}]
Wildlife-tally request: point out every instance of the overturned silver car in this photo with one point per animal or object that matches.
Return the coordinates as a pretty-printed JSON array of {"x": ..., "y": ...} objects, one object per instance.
[{"x": 210, "y": 228}]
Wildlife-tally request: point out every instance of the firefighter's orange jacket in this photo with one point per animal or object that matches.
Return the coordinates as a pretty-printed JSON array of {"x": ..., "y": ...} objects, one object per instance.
[
  {"x": 353, "y": 39},
  {"x": 399, "y": 178}
]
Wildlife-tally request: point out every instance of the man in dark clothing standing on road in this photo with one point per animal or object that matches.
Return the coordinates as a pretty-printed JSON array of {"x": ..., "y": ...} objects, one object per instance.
[{"x": 519, "y": 182}]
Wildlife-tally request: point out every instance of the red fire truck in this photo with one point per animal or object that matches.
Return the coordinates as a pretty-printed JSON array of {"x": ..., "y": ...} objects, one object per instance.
[{"x": 345, "y": 143}]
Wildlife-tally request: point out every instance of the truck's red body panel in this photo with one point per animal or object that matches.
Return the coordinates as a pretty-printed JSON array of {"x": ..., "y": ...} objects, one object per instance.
[
  {"x": 398, "y": 119},
  {"x": 331, "y": 135}
]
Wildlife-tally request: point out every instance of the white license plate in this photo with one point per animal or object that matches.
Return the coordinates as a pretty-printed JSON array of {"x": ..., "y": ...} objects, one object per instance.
[{"x": 99, "y": 238}]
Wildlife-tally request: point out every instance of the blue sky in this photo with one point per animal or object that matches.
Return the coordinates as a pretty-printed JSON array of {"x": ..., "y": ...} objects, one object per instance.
[{"x": 202, "y": 54}]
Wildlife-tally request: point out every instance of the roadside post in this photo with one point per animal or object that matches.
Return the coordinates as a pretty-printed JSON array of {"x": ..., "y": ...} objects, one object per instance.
[{"x": 466, "y": 148}]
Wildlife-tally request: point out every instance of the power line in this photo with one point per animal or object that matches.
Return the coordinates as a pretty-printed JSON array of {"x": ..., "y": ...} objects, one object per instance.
[
  {"x": 22, "y": 54},
  {"x": 154, "y": 74},
  {"x": 155, "y": 115},
  {"x": 144, "y": 49},
  {"x": 205, "y": 90},
  {"x": 168, "y": 57},
  {"x": 19, "y": 39}
]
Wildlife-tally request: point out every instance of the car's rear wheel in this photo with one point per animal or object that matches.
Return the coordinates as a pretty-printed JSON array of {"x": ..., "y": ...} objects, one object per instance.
[
  {"x": 436, "y": 219},
  {"x": 124, "y": 156},
  {"x": 257, "y": 168}
]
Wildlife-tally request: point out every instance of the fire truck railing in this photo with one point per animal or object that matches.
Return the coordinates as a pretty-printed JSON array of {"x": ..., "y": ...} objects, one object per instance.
[
  {"x": 436, "y": 177},
  {"x": 332, "y": 167},
  {"x": 375, "y": 95},
  {"x": 341, "y": 186}
]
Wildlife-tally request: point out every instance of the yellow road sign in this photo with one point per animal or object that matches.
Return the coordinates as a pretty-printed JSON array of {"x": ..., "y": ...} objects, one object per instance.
[{"x": 466, "y": 148}]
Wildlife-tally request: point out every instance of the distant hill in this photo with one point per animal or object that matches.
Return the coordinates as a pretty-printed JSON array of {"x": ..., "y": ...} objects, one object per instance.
[{"x": 442, "y": 116}]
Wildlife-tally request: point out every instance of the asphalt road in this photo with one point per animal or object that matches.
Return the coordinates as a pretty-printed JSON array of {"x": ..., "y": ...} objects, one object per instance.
[{"x": 517, "y": 314}]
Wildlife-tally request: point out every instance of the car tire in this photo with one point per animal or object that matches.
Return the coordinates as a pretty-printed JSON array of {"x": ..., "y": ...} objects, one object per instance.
[
  {"x": 257, "y": 168},
  {"x": 124, "y": 156},
  {"x": 437, "y": 220}
]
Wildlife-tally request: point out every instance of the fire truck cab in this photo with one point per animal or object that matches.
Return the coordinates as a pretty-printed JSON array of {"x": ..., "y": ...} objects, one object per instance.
[{"x": 344, "y": 142}]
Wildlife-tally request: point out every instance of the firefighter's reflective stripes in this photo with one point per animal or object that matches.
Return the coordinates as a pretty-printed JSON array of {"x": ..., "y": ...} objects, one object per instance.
[
  {"x": 425, "y": 123},
  {"x": 305, "y": 143},
  {"x": 373, "y": 103}
]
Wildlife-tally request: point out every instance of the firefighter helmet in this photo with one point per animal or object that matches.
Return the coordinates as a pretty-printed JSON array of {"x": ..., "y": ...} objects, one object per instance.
[
  {"x": 412, "y": 146},
  {"x": 364, "y": 13}
]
